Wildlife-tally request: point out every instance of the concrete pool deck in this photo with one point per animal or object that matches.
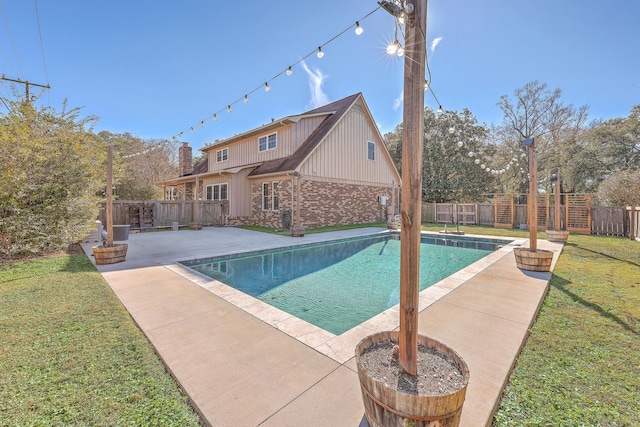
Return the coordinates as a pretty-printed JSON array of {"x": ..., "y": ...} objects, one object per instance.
[{"x": 243, "y": 363}]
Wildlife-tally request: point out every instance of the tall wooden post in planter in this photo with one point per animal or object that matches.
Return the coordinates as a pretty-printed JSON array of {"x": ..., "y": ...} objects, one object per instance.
[
  {"x": 110, "y": 253},
  {"x": 533, "y": 259},
  {"x": 557, "y": 234},
  {"x": 385, "y": 402}
]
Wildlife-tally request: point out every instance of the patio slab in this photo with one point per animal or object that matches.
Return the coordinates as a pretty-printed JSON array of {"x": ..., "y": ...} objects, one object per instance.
[{"x": 239, "y": 368}]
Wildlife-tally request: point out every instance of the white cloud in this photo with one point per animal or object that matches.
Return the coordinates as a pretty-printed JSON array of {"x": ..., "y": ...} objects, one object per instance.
[
  {"x": 398, "y": 101},
  {"x": 316, "y": 79},
  {"x": 435, "y": 42}
]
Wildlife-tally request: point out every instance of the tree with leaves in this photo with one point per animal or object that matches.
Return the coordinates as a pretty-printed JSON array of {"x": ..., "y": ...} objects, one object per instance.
[
  {"x": 602, "y": 150},
  {"x": 139, "y": 164},
  {"x": 454, "y": 156},
  {"x": 52, "y": 169}
]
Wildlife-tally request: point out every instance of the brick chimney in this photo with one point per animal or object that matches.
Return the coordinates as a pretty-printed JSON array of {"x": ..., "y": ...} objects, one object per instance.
[{"x": 185, "y": 159}]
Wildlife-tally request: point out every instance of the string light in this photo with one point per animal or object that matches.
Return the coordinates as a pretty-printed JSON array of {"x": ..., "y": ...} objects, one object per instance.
[{"x": 289, "y": 70}]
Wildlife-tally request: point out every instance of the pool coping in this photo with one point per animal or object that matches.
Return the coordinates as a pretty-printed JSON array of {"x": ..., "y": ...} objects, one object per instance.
[
  {"x": 340, "y": 347},
  {"x": 208, "y": 344}
]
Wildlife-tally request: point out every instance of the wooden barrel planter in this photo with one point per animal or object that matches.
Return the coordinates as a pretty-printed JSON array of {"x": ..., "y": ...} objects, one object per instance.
[
  {"x": 540, "y": 260},
  {"x": 110, "y": 254},
  {"x": 386, "y": 406},
  {"x": 393, "y": 225},
  {"x": 297, "y": 231},
  {"x": 557, "y": 235}
]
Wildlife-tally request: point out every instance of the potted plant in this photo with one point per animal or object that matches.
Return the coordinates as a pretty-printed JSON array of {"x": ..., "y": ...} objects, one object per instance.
[{"x": 394, "y": 388}]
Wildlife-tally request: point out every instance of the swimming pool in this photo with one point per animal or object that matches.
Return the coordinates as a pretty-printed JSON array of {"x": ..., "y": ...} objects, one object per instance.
[{"x": 339, "y": 284}]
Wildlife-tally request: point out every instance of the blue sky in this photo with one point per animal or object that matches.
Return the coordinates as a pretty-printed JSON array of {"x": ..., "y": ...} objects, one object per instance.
[{"x": 157, "y": 68}]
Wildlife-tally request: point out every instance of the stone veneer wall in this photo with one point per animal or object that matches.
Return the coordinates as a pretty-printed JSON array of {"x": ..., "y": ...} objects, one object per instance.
[{"x": 323, "y": 203}]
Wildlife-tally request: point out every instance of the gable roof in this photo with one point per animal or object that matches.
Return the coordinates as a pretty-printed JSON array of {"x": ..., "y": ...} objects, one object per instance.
[{"x": 336, "y": 110}]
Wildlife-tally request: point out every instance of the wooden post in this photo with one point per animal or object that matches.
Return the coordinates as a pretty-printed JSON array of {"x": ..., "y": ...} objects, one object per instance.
[
  {"x": 411, "y": 206},
  {"x": 109, "y": 207},
  {"x": 532, "y": 217},
  {"x": 557, "y": 202},
  {"x": 196, "y": 203}
]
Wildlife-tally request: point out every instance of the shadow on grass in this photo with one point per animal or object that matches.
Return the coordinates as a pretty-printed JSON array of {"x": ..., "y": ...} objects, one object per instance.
[
  {"x": 577, "y": 246},
  {"x": 560, "y": 284}
]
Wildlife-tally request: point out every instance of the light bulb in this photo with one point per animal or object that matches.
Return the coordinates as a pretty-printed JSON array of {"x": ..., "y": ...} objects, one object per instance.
[
  {"x": 202, "y": 124},
  {"x": 477, "y": 161},
  {"x": 267, "y": 88},
  {"x": 193, "y": 130},
  {"x": 451, "y": 130},
  {"x": 228, "y": 108},
  {"x": 246, "y": 99},
  {"x": 460, "y": 143},
  {"x": 426, "y": 84},
  {"x": 400, "y": 50},
  {"x": 215, "y": 117},
  {"x": 289, "y": 71},
  {"x": 440, "y": 110},
  {"x": 392, "y": 49},
  {"x": 320, "y": 52},
  {"x": 482, "y": 166},
  {"x": 359, "y": 29}
]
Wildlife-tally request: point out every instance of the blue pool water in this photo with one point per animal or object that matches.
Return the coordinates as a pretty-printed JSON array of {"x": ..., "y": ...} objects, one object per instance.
[{"x": 338, "y": 285}]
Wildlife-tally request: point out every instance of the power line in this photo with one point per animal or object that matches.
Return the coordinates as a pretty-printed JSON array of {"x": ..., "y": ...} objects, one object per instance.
[
  {"x": 11, "y": 37},
  {"x": 44, "y": 63}
]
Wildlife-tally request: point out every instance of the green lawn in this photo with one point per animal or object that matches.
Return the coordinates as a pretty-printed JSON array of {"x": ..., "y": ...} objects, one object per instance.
[
  {"x": 581, "y": 363},
  {"x": 70, "y": 355}
]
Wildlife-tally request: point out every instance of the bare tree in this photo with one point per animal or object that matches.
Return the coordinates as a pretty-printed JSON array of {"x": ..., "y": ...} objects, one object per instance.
[{"x": 537, "y": 112}]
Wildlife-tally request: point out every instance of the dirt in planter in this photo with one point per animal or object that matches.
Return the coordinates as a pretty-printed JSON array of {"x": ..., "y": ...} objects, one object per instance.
[{"x": 437, "y": 373}]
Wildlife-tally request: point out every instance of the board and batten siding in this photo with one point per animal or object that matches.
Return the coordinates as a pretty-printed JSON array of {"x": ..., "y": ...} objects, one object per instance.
[
  {"x": 343, "y": 154},
  {"x": 238, "y": 191},
  {"x": 245, "y": 152}
]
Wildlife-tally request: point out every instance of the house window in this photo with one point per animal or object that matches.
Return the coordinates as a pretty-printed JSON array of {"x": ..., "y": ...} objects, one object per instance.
[
  {"x": 371, "y": 150},
  {"x": 266, "y": 196},
  {"x": 270, "y": 196},
  {"x": 222, "y": 155},
  {"x": 268, "y": 142},
  {"x": 274, "y": 199},
  {"x": 217, "y": 192}
]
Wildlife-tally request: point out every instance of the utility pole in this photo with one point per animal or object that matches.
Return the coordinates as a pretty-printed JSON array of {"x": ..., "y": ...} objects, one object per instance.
[
  {"x": 411, "y": 206},
  {"x": 27, "y": 84}
]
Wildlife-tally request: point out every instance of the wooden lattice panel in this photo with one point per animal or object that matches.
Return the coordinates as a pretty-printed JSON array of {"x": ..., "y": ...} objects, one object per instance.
[
  {"x": 543, "y": 211},
  {"x": 504, "y": 211},
  {"x": 578, "y": 213}
]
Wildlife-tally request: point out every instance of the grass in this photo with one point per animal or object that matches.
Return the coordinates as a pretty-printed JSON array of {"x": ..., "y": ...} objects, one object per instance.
[
  {"x": 581, "y": 363},
  {"x": 71, "y": 355},
  {"x": 315, "y": 230}
]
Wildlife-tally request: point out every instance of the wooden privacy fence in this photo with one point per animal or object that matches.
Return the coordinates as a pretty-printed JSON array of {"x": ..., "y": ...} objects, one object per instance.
[
  {"x": 576, "y": 214},
  {"x": 163, "y": 213}
]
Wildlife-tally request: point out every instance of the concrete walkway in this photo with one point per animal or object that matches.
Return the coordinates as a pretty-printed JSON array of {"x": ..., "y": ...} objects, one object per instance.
[{"x": 244, "y": 363}]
